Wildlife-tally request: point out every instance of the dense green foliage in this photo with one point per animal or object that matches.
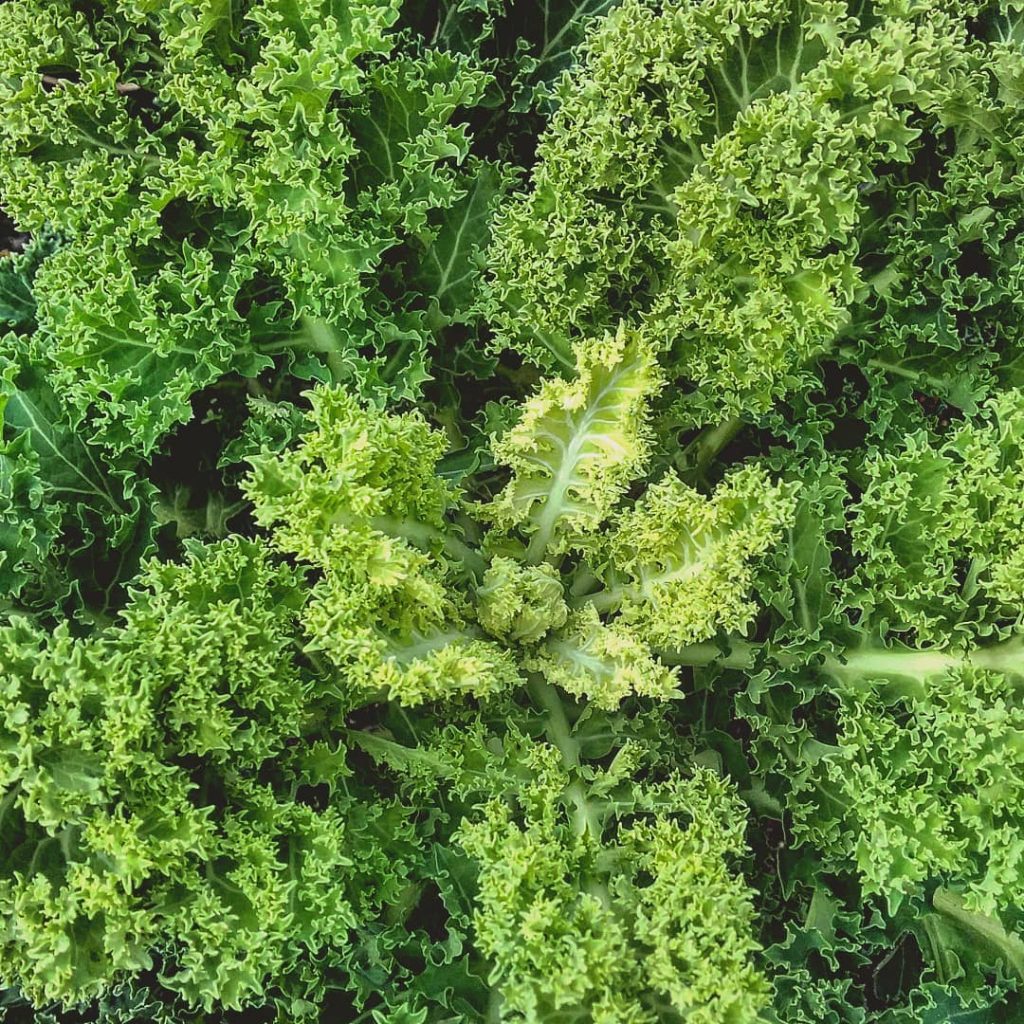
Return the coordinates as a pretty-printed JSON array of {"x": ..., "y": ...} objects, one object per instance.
[{"x": 511, "y": 512}]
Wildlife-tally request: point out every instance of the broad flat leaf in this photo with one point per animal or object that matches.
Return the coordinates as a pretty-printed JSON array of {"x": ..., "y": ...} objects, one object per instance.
[
  {"x": 449, "y": 270},
  {"x": 90, "y": 522}
]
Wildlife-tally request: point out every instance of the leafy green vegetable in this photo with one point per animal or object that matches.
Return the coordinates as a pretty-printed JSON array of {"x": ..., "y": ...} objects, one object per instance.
[
  {"x": 153, "y": 766},
  {"x": 511, "y": 512},
  {"x": 231, "y": 181},
  {"x": 753, "y": 185}
]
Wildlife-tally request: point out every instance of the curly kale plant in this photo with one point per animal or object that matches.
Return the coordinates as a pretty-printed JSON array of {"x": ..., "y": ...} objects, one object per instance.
[
  {"x": 753, "y": 185},
  {"x": 512, "y": 513},
  {"x": 230, "y": 200},
  {"x": 186, "y": 793}
]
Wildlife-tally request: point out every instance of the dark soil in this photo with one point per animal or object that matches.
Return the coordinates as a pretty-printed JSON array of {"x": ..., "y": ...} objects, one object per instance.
[{"x": 11, "y": 240}]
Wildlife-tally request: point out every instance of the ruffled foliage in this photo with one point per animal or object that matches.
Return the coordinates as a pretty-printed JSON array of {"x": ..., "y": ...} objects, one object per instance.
[
  {"x": 511, "y": 512},
  {"x": 152, "y": 768},
  {"x": 238, "y": 186},
  {"x": 753, "y": 185}
]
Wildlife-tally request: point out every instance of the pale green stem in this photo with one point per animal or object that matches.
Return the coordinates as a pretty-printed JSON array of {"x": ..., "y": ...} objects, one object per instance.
[
  {"x": 711, "y": 441},
  {"x": 557, "y": 727},
  {"x": 986, "y": 928},
  {"x": 896, "y": 662},
  {"x": 422, "y": 535},
  {"x": 559, "y": 732}
]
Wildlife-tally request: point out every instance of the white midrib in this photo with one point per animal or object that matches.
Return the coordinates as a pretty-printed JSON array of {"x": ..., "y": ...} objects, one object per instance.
[
  {"x": 553, "y": 505},
  {"x": 609, "y": 600},
  {"x": 597, "y": 667},
  {"x": 404, "y": 653}
]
